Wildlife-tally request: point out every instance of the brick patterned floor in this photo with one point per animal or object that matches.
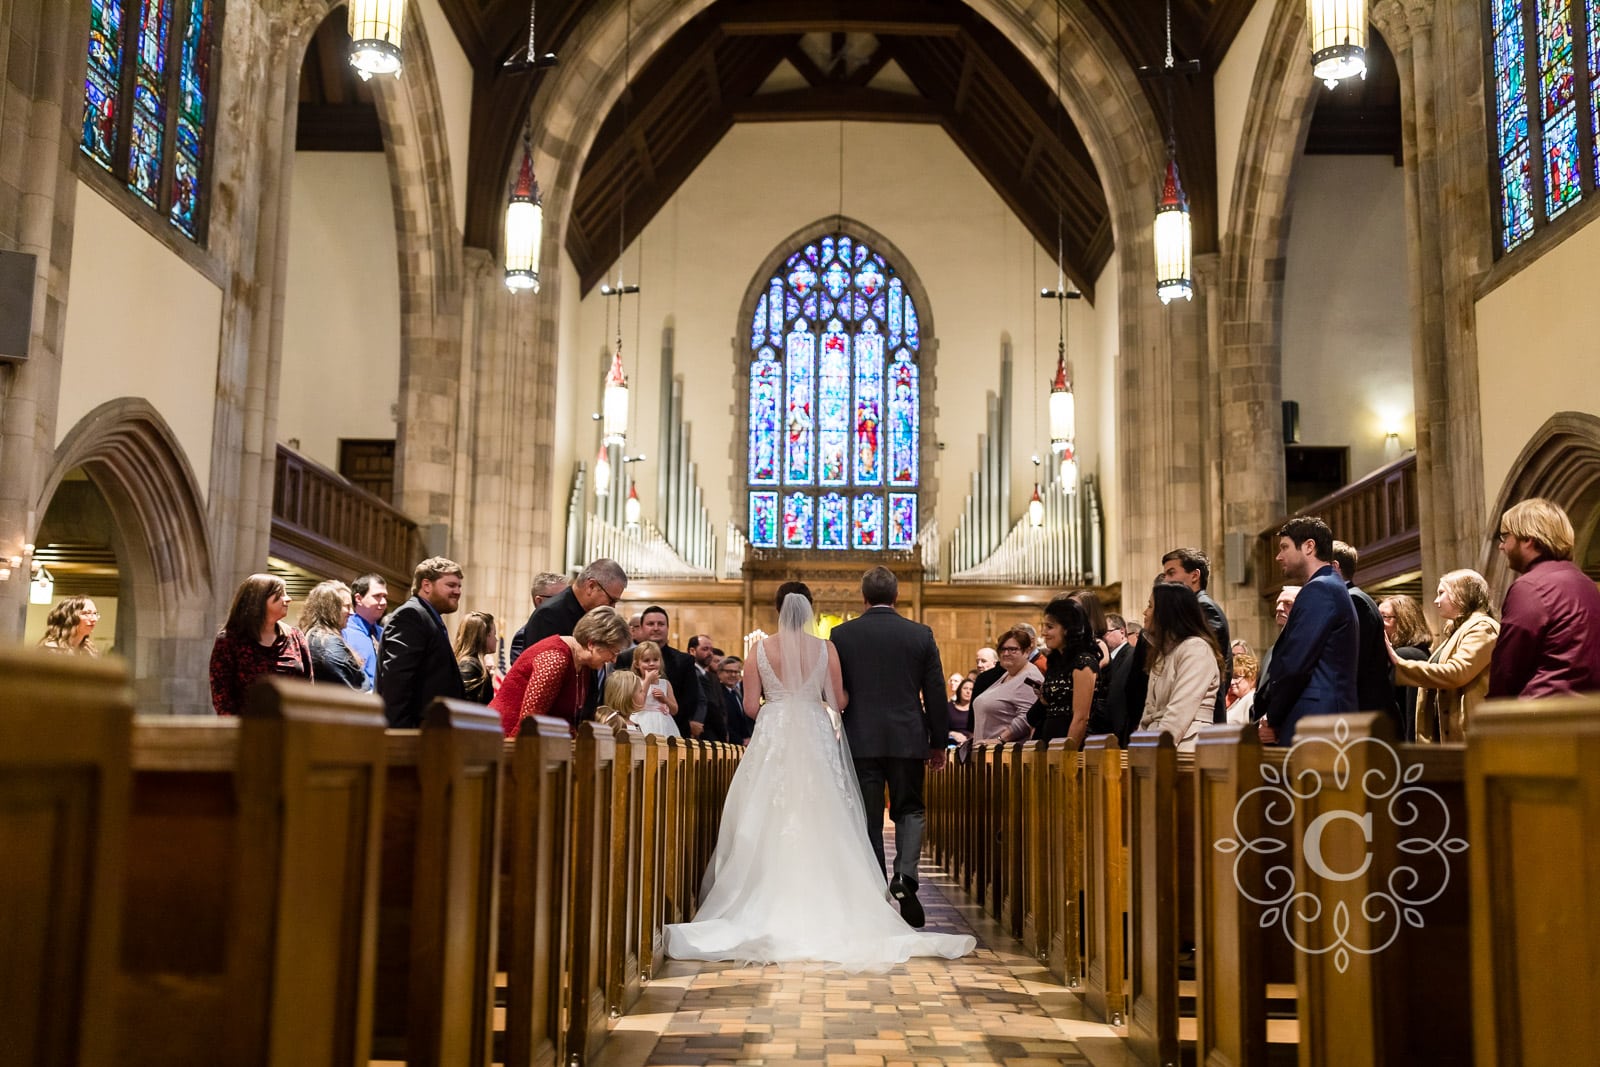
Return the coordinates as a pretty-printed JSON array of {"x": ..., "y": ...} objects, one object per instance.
[{"x": 996, "y": 1006}]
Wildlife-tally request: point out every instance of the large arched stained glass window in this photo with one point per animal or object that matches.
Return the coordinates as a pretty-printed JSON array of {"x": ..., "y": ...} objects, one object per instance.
[
  {"x": 148, "y": 101},
  {"x": 835, "y": 398},
  {"x": 1546, "y": 66}
]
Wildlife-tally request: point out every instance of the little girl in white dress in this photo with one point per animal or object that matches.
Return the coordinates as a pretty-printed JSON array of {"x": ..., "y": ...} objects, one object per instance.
[{"x": 655, "y": 715}]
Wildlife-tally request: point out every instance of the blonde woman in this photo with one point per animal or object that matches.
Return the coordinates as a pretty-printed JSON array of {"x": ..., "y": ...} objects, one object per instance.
[
  {"x": 70, "y": 627},
  {"x": 476, "y": 644},
  {"x": 1455, "y": 679},
  {"x": 322, "y": 618}
]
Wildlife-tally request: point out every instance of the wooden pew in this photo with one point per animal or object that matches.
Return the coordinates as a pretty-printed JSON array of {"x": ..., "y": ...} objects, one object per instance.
[
  {"x": 64, "y": 783},
  {"x": 1036, "y": 823},
  {"x": 1153, "y": 874},
  {"x": 250, "y": 890},
  {"x": 654, "y": 819},
  {"x": 439, "y": 888},
  {"x": 589, "y": 887},
  {"x": 1064, "y": 858},
  {"x": 1014, "y": 804},
  {"x": 676, "y": 907},
  {"x": 1397, "y": 991},
  {"x": 537, "y": 880},
  {"x": 1533, "y": 792},
  {"x": 1105, "y": 880},
  {"x": 625, "y": 862}
]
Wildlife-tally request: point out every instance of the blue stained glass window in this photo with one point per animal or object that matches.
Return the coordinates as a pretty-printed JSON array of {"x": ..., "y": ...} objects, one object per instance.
[
  {"x": 797, "y": 521},
  {"x": 868, "y": 525},
  {"x": 902, "y": 520},
  {"x": 833, "y": 521},
  {"x": 829, "y": 420},
  {"x": 1538, "y": 137},
  {"x": 148, "y": 99},
  {"x": 764, "y": 520}
]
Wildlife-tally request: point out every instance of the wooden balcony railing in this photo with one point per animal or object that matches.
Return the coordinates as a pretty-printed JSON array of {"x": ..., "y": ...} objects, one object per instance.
[
  {"x": 1377, "y": 514},
  {"x": 327, "y": 525}
]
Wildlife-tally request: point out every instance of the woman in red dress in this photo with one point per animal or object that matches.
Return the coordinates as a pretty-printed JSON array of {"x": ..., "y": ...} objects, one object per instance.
[
  {"x": 553, "y": 676},
  {"x": 255, "y": 642}
]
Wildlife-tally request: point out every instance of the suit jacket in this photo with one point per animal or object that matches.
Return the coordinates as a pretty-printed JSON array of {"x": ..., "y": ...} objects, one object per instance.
[
  {"x": 712, "y": 712},
  {"x": 739, "y": 724},
  {"x": 678, "y": 669},
  {"x": 1313, "y": 669},
  {"x": 890, "y": 666},
  {"x": 1374, "y": 672},
  {"x": 1454, "y": 681},
  {"x": 1113, "y": 714},
  {"x": 1218, "y": 624},
  {"x": 415, "y": 664},
  {"x": 558, "y": 615},
  {"x": 985, "y": 679}
]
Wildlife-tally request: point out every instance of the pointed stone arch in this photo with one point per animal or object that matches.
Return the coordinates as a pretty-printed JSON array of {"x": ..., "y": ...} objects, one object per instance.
[
  {"x": 1560, "y": 462},
  {"x": 134, "y": 459}
]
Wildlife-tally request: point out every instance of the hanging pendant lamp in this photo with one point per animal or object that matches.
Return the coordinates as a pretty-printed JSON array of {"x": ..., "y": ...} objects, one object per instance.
[
  {"x": 1173, "y": 239},
  {"x": 1338, "y": 39},
  {"x": 1036, "y": 508},
  {"x": 630, "y": 510},
  {"x": 614, "y": 405},
  {"x": 602, "y": 473},
  {"x": 1063, "y": 408},
  {"x": 375, "y": 36},
  {"x": 524, "y": 227},
  {"x": 1068, "y": 473}
]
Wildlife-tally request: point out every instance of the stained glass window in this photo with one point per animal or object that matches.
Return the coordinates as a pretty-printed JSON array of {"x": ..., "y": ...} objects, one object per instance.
[
  {"x": 848, "y": 388},
  {"x": 148, "y": 101},
  {"x": 1544, "y": 137}
]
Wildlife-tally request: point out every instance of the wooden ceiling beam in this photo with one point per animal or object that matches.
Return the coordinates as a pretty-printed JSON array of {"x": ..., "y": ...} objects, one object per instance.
[
  {"x": 830, "y": 102},
  {"x": 884, "y": 17}
]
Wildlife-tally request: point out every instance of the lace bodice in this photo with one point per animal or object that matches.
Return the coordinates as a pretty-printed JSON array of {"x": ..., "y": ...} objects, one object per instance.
[{"x": 811, "y": 689}]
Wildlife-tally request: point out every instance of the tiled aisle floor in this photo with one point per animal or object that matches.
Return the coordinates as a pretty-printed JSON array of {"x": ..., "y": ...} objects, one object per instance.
[{"x": 996, "y": 1006}]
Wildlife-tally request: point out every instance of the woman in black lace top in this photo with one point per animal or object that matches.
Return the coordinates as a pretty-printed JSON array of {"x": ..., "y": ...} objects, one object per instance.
[{"x": 1067, "y": 693}]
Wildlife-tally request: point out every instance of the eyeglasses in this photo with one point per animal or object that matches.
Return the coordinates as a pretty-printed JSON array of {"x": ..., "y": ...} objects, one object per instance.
[
  {"x": 611, "y": 601},
  {"x": 1009, "y": 648},
  {"x": 1500, "y": 536}
]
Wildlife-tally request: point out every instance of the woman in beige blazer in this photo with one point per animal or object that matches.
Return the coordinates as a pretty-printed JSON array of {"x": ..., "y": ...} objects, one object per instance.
[{"x": 1456, "y": 677}]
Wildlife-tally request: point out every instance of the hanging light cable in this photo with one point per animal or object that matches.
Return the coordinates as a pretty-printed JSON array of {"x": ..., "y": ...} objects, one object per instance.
[
  {"x": 375, "y": 27},
  {"x": 1338, "y": 39},
  {"x": 1062, "y": 405},
  {"x": 614, "y": 401},
  {"x": 1174, "y": 239}
]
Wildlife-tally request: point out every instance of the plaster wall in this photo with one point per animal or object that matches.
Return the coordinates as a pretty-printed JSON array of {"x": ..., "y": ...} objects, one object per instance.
[
  {"x": 1230, "y": 88},
  {"x": 980, "y": 268},
  {"x": 1537, "y": 347},
  {"x": 454, "y": 73},
  {"x": 1346, "y": 313},
  {"x": 142, "y": 323},
  {"x": 341, "y": 315}
]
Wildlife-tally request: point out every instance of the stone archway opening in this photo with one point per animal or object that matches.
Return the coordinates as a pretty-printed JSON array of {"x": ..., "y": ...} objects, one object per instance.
[
  {"x": 80, "y": 549},
  {"x": 1560, "y": 462}
]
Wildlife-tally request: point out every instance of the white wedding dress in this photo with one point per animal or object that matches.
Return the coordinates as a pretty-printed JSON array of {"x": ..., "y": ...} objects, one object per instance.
[{"x": 793, "y": 877}]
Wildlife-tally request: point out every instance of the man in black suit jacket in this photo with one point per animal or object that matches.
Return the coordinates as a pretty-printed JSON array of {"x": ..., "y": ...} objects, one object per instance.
[
  {"x": 887, "y": 663},
  {"x": 1191, "y": 567},
  {"x": 415, "y": 661},
  {"x": 676, "y": 667},
  {"x": 600, "y": 584},
  {"x": 1117, "y": 715},
  {"x": 1374, "y": 671},
  {"x": 546, "y": 586},
  {"x": 730, "y": 677},
  {"x": 706, "y": 662}
]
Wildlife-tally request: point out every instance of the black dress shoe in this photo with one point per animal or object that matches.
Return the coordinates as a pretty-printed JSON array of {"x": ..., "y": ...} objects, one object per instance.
[{"x": 904, "y": 890}]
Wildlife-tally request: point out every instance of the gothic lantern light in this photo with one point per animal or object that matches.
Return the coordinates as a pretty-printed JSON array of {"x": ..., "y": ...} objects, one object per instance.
[
  {"x": 630, "y": 510},
  {"x": 375, "y": 36},
  {"x": 1338, "y": 39},
  {"x": 602, "y": 473},
  {"x": 614, "y": 405},
  {"x": 1036, "y": 508},
  {"x": 1063, "y": 408},
  {"x": 524, "y": 227},
  {"x": 1173, "y": 239},
  {"x": 1069, "y": 471}
]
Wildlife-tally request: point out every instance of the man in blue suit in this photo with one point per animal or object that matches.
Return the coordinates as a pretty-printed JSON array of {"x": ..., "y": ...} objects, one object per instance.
[{"x": 1313, "y": 668}]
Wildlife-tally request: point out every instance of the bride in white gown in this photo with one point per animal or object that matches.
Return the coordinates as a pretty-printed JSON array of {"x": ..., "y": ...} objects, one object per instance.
[{"x": 793, "y": 877}]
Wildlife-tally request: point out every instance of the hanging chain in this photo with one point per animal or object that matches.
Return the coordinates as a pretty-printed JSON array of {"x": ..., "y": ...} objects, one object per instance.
[
  {"x": 533, "y": 53},
  {"x": 1170, "y": 61}
]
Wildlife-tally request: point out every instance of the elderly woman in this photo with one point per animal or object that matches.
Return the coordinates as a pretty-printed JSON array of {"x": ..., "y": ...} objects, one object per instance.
[
  {"x": 1185, "y": 664},
  {"x": 553, "y": 677},
  {"x": 1000, "y": 712},
  {"x": 322, "y": 620},
  {"x": 1455, "y": 679},
  {"x": 254, "y": 642},
  {"x": 70, "y": 627}
]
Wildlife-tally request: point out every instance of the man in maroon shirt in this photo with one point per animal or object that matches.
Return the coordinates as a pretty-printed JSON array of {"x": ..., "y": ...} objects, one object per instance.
[{"x": 1550, "y": 624}]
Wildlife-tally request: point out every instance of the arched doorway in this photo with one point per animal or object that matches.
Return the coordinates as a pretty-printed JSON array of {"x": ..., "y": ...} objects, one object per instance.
[{"x": 1561, "y": 462}]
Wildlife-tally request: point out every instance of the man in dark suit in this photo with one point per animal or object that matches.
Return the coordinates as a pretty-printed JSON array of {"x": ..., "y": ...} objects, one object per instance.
[
  {"x": 1192, "y": 567},
  {"x": 676, "y": 667},
  {"x": 706, "y": 661},
  {"x": 1374, "y": 672},
  {"x": 546, "y": 586},
  {"x": 1117, "y": 715},
  {"x": 415, "y": 661},
  {"x": 1313, "y": 670},
  {"x": 730, "y": 677},
  {"x": 897, "y": 722},
  {"x": 601, "y": 583}
]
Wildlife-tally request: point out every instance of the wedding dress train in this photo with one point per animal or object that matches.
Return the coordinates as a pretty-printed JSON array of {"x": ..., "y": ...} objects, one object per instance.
[{"x": 793, "y": 877}]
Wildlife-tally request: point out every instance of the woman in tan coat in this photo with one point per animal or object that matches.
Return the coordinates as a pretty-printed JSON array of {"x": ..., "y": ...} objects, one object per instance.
[{"x": 1455, "y": 678}]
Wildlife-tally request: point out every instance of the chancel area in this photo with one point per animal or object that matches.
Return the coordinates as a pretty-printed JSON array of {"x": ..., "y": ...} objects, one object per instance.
[{"x": 1244, "y": 347}]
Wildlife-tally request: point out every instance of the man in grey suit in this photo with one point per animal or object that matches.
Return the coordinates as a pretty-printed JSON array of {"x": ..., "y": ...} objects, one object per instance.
[{"x": 897, "y": 722}]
